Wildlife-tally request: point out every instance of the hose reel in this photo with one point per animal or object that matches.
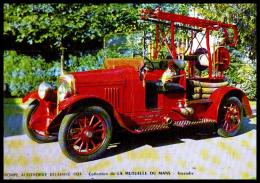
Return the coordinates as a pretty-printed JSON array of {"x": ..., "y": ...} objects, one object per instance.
[
  {"x": 222, "y": 59},
  {"x": 205, "y": 89}
]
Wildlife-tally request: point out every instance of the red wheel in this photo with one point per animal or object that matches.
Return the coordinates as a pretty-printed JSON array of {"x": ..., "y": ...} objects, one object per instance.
[
  {"x": 85, "y": 135},
  {"x": 230, "y": 117}
]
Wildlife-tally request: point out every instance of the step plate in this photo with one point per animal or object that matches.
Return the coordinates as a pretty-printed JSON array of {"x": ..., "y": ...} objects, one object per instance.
[
  {"x": 150, "y": 128},
  {"x": 183, "y": 123}
]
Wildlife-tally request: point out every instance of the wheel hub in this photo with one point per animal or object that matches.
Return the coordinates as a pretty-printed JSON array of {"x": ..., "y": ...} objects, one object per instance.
[{"x": 89, "y": 134}]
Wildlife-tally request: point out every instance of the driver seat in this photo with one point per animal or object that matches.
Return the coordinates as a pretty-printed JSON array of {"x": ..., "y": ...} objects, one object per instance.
[
  {"x": 169, "y": 87},
  {"x": 172, "y": 87}
]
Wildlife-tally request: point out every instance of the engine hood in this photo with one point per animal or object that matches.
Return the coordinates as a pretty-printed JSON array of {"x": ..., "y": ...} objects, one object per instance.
[{"x": 103, "y": 76}]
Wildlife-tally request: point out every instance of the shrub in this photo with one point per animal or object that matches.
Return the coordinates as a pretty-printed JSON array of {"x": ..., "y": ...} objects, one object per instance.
[
  {"x": 83, "y": 63},
  {"x": 243, "y": 76},
  {"x": 23, "y": 73}
]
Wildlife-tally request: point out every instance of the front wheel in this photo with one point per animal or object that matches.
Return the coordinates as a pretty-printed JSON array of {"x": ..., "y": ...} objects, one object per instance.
[
  {"x": 35, "y": 135},
  {"x": 230, "y": 117},
  {"x": 84, "y": 136}
]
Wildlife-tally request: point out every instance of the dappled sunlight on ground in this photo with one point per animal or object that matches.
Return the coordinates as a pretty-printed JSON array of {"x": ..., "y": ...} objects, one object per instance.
[{"x": 159, "y": 155}]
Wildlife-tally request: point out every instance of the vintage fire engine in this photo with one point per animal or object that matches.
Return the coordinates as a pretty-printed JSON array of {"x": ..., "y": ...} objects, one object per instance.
[{"x": 129, "y": 93}]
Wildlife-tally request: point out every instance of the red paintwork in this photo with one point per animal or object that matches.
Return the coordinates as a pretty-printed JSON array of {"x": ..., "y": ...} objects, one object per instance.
[
  {"x": 121, "y": 88},
  {"x": 43, "y": 116},
  {"x": 31, "y": 95}
]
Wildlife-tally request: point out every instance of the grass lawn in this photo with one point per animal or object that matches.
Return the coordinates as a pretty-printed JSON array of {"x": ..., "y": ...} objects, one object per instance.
[{"x": 12, "y": 100}]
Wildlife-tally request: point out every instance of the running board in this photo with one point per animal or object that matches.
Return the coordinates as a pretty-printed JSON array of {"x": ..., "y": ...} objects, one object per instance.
[
  {"x": 183, "y": 123},
  {"x": 150, "y": 128}
]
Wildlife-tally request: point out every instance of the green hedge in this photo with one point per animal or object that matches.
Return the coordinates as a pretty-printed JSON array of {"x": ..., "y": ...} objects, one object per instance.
[
  {"x": 24, "y": 73},
  {"x": 243, "y": 76}
]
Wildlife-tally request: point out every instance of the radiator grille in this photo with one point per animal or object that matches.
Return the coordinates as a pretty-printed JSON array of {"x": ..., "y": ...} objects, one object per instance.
[{"x": 112, "y": 95}]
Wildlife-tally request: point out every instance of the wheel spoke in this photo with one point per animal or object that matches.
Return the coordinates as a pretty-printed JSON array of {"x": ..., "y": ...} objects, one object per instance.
[
  {"x": 99, "y": 122},
  {"x": 87, "y": 146},
  {"x": 85, "y": 122},
  {"x": 80, "y": 124},
  {"x": 77, "y": 141},
  {"x": 93, "y": 144},
  {"x": 91, "y": 120},
  {"x": 81, "y": 145}
]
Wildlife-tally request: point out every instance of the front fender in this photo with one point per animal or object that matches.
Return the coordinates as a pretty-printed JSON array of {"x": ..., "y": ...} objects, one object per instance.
[
  {"x": 31, "y": 96},
  {"x": 219, "y": 95},
  {"x": 67, "y": 106},
  {"x": 76, "y": 98}
]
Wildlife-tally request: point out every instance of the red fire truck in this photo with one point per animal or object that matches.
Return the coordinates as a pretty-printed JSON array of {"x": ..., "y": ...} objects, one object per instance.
[{"x": 130, "y": 93}]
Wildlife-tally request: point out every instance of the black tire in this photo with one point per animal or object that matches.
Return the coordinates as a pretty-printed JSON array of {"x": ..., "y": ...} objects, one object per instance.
[
  {"x": 92, "y": 143},
  {"x": 230, "y": 117},
  {"x": 33, "y": 134}
]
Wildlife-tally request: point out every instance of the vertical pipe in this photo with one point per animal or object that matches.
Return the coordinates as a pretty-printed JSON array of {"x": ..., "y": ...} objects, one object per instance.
[
  {"x": 190, "y": 64},
  {"x": 172, "y": 40},
  {"x": 214, "y": 59},
  {"x": 156, "y": 42},
  {"x": 217, "y": 61},
  {"x": 209, "y": 53},
  {"x": 62, "y": 60}
]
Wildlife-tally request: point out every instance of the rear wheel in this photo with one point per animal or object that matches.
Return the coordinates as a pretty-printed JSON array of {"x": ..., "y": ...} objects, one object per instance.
[
  {"x": 35, "y": 135},
  {"x": 84, "y": 136},
  {"x": 230, "y": 117}
]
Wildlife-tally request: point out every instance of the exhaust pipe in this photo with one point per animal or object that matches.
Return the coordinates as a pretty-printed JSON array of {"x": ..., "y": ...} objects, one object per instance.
[{"x": 168, "y": 120}]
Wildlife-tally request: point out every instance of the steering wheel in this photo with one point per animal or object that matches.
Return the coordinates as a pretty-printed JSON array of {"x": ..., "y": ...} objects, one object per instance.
[{"x": 148, "y": 66}]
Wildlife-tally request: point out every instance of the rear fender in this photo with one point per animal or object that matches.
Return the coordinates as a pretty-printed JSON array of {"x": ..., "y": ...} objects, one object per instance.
[{"x": 219, "y": 95}]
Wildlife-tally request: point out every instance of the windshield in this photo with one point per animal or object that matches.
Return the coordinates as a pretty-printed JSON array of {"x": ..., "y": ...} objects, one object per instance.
[{"x": 124, "y": 45}]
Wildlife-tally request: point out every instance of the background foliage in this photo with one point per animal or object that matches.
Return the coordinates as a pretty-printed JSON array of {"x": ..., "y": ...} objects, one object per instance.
[{"x": 36, "y": 32}]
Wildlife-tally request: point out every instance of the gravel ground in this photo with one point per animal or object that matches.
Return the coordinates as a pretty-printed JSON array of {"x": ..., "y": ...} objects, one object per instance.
[{"x": 176, "y": 154}]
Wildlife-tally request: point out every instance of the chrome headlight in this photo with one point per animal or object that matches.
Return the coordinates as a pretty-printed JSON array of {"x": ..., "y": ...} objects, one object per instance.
[
  {"x": 64, "y": 91},
  {"x": 67, "y": 87},
  {"x": 45, "y": 90}
]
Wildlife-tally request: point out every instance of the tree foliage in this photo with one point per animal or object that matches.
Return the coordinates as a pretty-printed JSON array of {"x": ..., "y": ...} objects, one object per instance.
[
  {"x": 59, "y": 23},
  {"x": 241, "y": 14}
]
